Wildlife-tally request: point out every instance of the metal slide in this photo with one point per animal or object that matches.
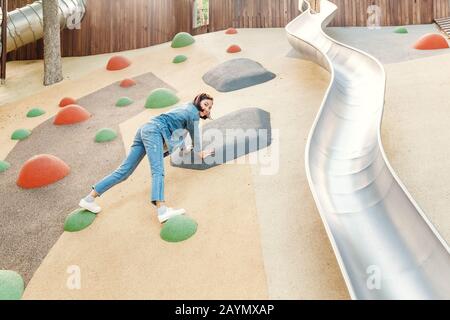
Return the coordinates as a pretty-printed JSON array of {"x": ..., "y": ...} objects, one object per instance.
[
  {"x": 25, "y": 25},
  {"x": 385, "y": 245}
]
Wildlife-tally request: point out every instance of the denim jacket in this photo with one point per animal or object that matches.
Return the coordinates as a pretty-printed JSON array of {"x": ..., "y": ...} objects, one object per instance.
[{"x": 176, "y": 122}]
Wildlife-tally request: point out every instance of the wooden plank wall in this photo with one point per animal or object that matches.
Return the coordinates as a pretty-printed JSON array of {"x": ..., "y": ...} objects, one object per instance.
[
  {"x": 114, "y": 25},
  {"x": 441, "y": 9},
  {"x": 117, "y": 25},
  {"x": 251, "y": 13},
  {"x": 184, "y": 12},
  {"x": 394, "y": 12}
]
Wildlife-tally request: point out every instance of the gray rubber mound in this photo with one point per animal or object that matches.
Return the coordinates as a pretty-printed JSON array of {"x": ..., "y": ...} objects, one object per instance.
[
  {"x": 232, "y": 136},
  {"x": 32, "y": 220},
  {"x": 237, "y": 74}
]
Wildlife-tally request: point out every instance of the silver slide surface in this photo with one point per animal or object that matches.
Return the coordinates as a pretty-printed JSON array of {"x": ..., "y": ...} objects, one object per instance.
[
  {"x": 25, "y": 25},
  {"x": 385, "y": 246}
]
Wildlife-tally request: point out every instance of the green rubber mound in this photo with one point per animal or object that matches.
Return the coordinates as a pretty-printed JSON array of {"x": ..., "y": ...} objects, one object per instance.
[
  {"x": 11, "y": 285},
  {"x": 36, "y": 112},
  {"x": 178, "y": 229},
  {"x": 124, "y": 101},
  {"x": 4, "y": 166},
  {"x": 401, "y": 30},
  {"x": 20, "y": 134},
  {"x": 78, "y": 220},
  {"x": 161, "y": 98},
  {"x": 105, "y": 135},
  {"x": 179, "y": 59},
  {"x": 182, "y": 39}
]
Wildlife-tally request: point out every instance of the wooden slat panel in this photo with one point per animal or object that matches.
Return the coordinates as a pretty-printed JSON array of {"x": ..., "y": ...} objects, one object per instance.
[
  {"x": 117, "y": 25},
  {"x": 394, "y": 12}
]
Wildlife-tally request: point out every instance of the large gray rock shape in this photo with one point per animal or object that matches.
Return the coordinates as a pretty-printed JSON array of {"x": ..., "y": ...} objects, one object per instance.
[
  {"x": 237, "y": 74},
  {"x": 232, "y": 136}
]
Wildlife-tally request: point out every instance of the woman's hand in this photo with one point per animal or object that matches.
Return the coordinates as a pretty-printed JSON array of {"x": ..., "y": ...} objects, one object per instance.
[{"x": 206, "y": 153}]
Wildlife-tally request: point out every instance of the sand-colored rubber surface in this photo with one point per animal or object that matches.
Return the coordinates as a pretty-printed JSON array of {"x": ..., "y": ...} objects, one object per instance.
[
  {"x": 121, "y": 256},
  {"x": 259, "y": 235},
  {"x": 415, "y": 133}
]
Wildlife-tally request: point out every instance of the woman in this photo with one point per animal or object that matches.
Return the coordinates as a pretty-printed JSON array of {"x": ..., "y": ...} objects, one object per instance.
[{"x": 165, "y": 129}]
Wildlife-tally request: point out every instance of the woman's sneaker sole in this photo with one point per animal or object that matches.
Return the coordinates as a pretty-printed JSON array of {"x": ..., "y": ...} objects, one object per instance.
[
  {"x": 92, "y": 207},
  {"x": 170, "y": 213}
]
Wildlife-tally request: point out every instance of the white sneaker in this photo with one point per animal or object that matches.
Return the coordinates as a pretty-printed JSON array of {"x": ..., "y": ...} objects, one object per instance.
[
  {"x": 90, "y": 206},
  {"x": 170, "y": 213}
]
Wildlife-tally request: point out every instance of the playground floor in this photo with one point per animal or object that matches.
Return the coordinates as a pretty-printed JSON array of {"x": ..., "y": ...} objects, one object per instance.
[{"x": 259, "y": 236}]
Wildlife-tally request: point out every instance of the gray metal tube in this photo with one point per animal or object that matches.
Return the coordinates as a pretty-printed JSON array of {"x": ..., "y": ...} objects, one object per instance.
[
  {"x": 384, "y": 243},
  {"x": 25, "y": 25}
]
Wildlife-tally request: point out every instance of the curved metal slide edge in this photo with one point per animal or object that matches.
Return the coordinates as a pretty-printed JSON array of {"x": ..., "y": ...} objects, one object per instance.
[
  {"x": 25, "y": 25},
  {"x": 385, "y": 245}
]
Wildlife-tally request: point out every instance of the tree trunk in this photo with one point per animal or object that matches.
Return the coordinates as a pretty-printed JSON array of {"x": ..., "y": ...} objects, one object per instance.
[
  {"x": 52, "y": 43},
  {"x": 4, "y": 26}
]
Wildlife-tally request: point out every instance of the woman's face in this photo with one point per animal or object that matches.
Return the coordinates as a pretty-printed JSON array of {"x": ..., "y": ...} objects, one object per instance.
[{"x": 206, "y": 106}]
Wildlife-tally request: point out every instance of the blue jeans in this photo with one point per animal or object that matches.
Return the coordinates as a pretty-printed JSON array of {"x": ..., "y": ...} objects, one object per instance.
[{"x": 148, "y": 140}]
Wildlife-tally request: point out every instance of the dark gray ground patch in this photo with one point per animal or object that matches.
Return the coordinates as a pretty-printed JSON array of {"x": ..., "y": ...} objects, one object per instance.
[
  {"x": 32, "y": 220},
  {"x": 237, "y": 74},
  {"x": 243, "y": 131}
]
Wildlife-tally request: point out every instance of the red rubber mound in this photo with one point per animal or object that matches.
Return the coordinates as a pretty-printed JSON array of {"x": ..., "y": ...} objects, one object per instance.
[
  {"x": 234, "y": 48},
  {"x": 231, "y": 31},
  {"x": 71, "y": 114},
  {"x": 431, "y": 41},
  {"x": 42, "y": 170},
  {"x": 126, "y": 83},
  {"x": 117, "y": 63},
  {"x": 67, "y": 101}
]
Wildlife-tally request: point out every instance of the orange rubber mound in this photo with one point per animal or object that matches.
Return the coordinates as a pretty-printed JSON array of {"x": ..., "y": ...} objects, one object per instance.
[
  {"x": 234, "y": 49},
  {"x": 42, "y": 170},
  {"x": 71, "y": 114},
  {"x": 126, "y": 83},
  {"x": 67, "y": 101},
  {"x": 231, "y": 31},
  {"x": 431, "y": 41},
  {"x": 118, "y": 63}
]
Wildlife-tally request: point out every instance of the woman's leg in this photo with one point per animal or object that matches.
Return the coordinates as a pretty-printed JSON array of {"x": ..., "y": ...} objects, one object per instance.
[
  {"x": 137, "y": 153},
  {"x": 127, "y": 167},
  {"x": 153, "y": 143}
]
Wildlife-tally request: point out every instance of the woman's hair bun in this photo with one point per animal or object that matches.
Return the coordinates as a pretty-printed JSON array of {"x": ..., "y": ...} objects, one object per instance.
[{"x": 202, "y": 96}]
